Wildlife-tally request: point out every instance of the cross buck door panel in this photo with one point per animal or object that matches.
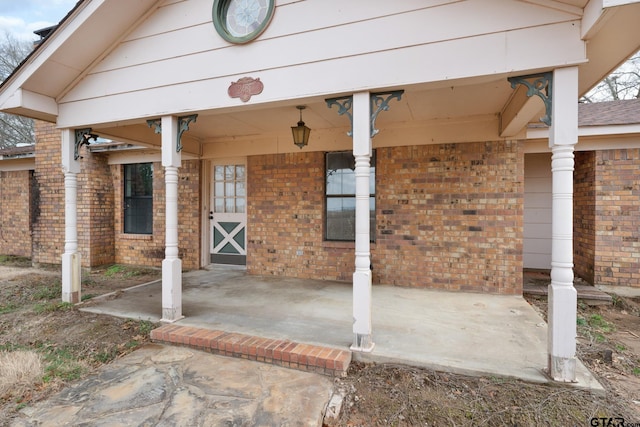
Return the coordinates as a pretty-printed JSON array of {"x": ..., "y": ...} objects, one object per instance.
[{"x": 229, "y": 214}]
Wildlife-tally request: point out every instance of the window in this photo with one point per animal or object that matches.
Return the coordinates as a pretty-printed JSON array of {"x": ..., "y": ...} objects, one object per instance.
[
  {"x": 229, "y": 189},
  {"x": 138, "y": 198},
  {"x": 340, "y": 195}
]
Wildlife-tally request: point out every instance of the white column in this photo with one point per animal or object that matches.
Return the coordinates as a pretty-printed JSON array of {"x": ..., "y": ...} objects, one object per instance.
[
  {"x": 562, "y": 310},
  {"x": 71, "y": 273},
  {"x": 362, "y": 297},
  {"x": 172, "y": 264}
]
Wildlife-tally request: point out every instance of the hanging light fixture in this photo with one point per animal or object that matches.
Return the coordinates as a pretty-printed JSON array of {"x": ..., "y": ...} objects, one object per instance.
[{"x": 301, "y": 132}]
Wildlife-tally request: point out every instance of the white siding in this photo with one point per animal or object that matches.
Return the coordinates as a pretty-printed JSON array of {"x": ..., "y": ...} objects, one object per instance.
[
  {"x": 174, "y": 60},
  {"x": 537, "y": 211}
]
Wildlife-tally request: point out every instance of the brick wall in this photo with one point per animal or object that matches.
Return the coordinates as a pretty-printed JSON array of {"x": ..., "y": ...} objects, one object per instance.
[
  {"x": 48, "y": 196},
  {"x": 584, "y": 206},
  {"x": 100, "y": 237},
  {"x": 15, "y": 213},
  {"x": 617, "y": 190},
  {"x": 451, "y": 216},
  {"x": 448, "y": 217},
  {"x": 285, "y": 219},
  {"x": 95, "y": 211},
  {"x": 148, "y": 250},
  {"x": 189, "y": 220},
  {"x": 95, "y": 203}
]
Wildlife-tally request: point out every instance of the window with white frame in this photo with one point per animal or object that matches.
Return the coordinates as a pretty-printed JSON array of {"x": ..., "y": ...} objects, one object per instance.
[
  {"x": 138, "y": 198},
  {"x": 340, "y": 195}
]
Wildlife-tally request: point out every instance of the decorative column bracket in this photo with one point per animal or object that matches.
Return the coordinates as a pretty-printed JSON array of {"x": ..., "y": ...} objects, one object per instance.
[
  {"x": 156, "y": 124},
  {"x": 344, "y": 107},
  {"x": 82, "y": 138},
  {"x": 541, "y": 86},
  {"x": 183, "y": 126},
  {"x": 379, "y": 102}
]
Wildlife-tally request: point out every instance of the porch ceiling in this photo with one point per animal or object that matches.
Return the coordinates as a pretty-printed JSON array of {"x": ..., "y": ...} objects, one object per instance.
[{"x": 446, "y": 101}]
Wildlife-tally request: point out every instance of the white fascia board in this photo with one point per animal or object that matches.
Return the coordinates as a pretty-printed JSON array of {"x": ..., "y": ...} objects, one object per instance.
[
  {"x": 17, "y": 164},
  {"x": 614, "y": 3},
  {"x": 140, "y": 156},
  {"x": 586, "y": 144},
  {"x": 596, "y": 13},
  {"x": 543, "y": 133},
  {"x": 23, "y": 99},
  {"x": 592, "y": 19},
  {"x": 554, "y": 4},
  {"x": 134, "y": 156}
]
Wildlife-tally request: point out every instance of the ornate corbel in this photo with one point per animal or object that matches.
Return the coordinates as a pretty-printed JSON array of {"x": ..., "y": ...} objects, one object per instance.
[
  {"x": 83, "y": 136},
  {"x": 379, "y": 102},
  {"x": 183, "y": 126},
  {"x": 344, "y": 107},
  {"x": 540, "y": 85}
]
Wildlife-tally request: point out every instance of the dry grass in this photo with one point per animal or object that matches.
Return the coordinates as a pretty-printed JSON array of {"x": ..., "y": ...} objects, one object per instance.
[
  {"x": 18, "y": 371},
  {"x": 46, "y": 344}
]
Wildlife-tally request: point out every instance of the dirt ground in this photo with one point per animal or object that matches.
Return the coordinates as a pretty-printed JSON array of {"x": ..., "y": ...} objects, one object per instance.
[
  {"x": 608, "y": 344},
  {"x": 70, "y": 344}
]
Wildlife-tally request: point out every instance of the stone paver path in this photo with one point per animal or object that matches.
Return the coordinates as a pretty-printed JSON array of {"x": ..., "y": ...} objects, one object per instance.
[{"x": 173, "y": 386}]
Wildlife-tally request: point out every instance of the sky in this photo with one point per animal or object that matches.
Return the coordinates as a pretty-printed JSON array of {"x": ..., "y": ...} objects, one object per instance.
[{"x": 22, "y": 17}]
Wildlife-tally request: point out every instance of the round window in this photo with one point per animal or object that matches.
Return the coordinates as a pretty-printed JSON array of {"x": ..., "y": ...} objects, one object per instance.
[{"x": 240, "y": 21}]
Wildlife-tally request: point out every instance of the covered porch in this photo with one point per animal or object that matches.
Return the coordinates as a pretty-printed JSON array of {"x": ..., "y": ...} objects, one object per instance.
[
  {"x": 463, "y": 94},
  {"x": 469, "y": 333}
]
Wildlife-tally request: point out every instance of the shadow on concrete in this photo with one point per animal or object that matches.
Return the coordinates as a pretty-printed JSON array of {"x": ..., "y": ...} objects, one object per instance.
[{"x": 468, "y": 333}]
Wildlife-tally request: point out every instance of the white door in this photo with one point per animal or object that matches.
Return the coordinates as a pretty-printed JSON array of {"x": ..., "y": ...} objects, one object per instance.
[{"x": 229, "y": 214}]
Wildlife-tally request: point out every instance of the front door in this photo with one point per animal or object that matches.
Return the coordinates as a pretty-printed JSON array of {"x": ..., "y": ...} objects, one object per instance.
[{"x": 229, "y": 214}]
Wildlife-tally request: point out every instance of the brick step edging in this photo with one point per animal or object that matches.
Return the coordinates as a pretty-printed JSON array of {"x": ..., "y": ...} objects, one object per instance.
[{"x": 290, "y": 354}]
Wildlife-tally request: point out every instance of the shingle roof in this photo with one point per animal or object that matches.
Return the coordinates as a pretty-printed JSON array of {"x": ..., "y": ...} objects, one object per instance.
[
  {"x": 623, "y": 112},
  {"x": 17, "y": 151}
]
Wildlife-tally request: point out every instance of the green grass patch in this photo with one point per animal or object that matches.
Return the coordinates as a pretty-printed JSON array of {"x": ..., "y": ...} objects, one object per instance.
[
  {"x": 88, "y": 296},
  {"x": 88, "y": 281},
  {"x": 597, "y": 321},
  {"x": 12, "y": 347},
  {"x": 106, "y": 356},
  {"x": 61, "y": 363},
  {"x": 48, "y": 291},
  {"x": 118, "y": 270},
  {"x": 8, "y": 308},
  {"x": 131, "y": 344},
  {"x": 146, "y": 327},
  {"x": 636, "y": 371},
  {"x": 114, "y": 270},
  {"x": 15, "y": 261},
  {"x": 49, "y": 307}
]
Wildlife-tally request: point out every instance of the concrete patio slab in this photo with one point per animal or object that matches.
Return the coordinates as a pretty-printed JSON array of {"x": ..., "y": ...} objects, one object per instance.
[{"x": 468, "y": 333}]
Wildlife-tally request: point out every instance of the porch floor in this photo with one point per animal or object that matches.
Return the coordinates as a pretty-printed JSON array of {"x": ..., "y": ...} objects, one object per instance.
[{"x": 467, "y": 333}]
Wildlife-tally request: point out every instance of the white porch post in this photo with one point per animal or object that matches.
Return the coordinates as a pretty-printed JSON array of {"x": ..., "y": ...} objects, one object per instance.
[
  {"x": 172, "y": 264},
  {"x": 71, "y": 273},
  {"x": 562, "y": 311},
  {"x": 362, "y": 297}
]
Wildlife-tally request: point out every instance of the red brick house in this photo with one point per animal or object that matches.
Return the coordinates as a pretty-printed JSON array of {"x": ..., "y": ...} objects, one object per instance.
[
  {"x": 609, "y": 144},
  {"x": 414, "y": 173}
]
